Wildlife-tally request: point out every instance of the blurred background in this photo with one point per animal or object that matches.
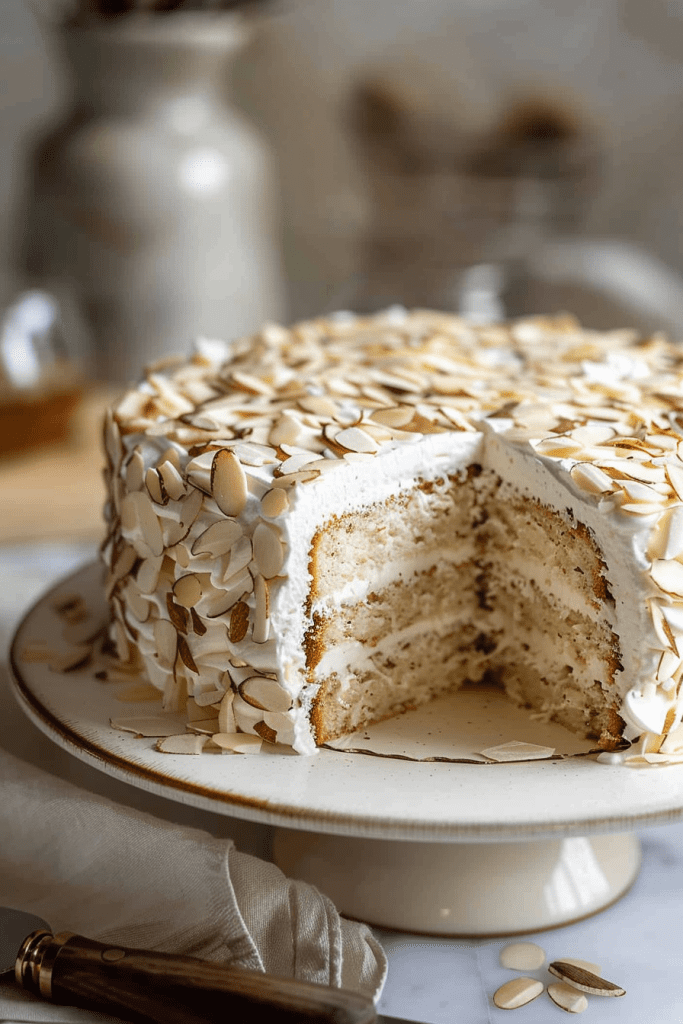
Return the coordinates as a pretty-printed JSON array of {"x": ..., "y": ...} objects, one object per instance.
[{"x": 171, "y": 168}]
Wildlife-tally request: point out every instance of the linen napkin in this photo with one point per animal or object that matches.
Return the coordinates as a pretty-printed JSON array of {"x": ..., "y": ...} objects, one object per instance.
[{"x": 89, "y": 865}]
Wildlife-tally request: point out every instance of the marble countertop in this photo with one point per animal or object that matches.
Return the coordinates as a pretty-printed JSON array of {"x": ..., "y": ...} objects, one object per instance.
[{"x": 638, "y": 941}]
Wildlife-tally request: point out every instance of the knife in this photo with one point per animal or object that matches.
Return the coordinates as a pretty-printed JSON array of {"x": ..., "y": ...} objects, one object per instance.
[{"x": 164, "y": 988}]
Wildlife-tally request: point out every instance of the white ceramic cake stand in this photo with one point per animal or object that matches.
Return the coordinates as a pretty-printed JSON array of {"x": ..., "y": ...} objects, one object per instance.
[{"x": 435, "y": 847}]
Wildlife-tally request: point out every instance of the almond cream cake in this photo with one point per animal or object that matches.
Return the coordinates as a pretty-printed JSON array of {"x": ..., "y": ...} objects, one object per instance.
[{"x": 316, "y": 528}]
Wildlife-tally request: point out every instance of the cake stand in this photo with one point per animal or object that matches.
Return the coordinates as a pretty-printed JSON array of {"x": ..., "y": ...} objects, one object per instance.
[{"x": 436, "y": 846}]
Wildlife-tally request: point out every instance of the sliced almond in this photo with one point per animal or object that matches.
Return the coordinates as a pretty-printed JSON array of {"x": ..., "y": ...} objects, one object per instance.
[
  {"x": 396, "y": 416},
  {"x": 149, "y": 725},
  {"x": 166, "y": 642},
  {"x": 218, "y": 538},
  {"x": 675, "y": 474},
  {"x": 188, "y": 590},
  {"x": 185, "y": 655},
  {"x": 584, "y": 980},
  {"x": 226, "y": 717},
  {"x": 187, "y": 744},
  {"x": 668, "y": 575},
  {"x": 147, "y": 576},
  {"x": 135, "y": 471},
  {"x": 239, "y": 622},
  {"x": 206, "y": 726},
  {"x": 265, "y": 732},
  {"x": 516, "y": 750},
  {"x": 567, "y": 998},
  {"x": 265, "y": 693},
  {"x": 268, "y": 550},
  {"x": 171, "y": 478},
  {"x": 209, "y": 698},
  {"x": 517, "y": 992},
  {"x": 261, "y": 628},
  {"x": 587, "y": 965},
  {"x": 141, "y": 522},
  {"x": 176, "y": 614},
  {"x": 228, "y": 483},
  {"x": 522, "y": 956},
  {"x": 238, "y": 742},
  {"x": 274, "y": 502},
  {"x": 355, "y": 439},
  {"x": 154, "y": 484}
]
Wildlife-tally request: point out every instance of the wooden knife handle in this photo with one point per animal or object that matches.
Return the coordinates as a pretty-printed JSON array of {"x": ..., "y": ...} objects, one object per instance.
[{"x": 164, "y": 988}]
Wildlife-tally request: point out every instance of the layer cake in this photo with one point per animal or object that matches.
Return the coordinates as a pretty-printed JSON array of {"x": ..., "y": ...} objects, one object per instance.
[{"x": 321, "y": 526}]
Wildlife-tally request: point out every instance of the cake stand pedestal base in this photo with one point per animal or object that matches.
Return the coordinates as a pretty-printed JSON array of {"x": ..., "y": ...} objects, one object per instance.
[{"x": 475, "y": 889}]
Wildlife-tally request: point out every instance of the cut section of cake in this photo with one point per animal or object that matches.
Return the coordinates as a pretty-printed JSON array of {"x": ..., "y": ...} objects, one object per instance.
[{"x": 316, "y": 528}]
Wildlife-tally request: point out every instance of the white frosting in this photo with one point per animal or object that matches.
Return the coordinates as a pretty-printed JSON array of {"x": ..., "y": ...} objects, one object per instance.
[{"x": 575, "y": 420}]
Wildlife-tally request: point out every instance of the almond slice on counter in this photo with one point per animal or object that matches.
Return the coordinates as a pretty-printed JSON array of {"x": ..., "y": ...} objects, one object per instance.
[
  {"x": 517, "y": 992},
  {"x": 584, "y": 980},
  {"x": 522, "y": 956},
  {"x": 567, "y": 997}
]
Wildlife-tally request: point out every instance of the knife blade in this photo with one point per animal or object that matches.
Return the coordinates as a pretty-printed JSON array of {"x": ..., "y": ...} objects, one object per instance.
[{"x": 162, "y": 988}]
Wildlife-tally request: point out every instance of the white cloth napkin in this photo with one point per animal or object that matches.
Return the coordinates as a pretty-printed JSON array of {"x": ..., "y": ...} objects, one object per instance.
[
  {"x": 89, "y": 865},
  {"x": 93, "y": 865}
]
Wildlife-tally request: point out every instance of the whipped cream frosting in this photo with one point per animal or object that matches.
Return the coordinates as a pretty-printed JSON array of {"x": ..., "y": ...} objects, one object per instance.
[{"x": 222, "y": 467}]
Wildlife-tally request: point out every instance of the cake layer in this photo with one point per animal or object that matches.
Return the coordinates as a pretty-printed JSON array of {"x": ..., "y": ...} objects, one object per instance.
[{"x": 537, "y": 466}]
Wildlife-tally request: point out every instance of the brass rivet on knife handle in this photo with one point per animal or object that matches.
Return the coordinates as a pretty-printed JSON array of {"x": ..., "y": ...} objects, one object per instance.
[{"x": 584, "y": 980}]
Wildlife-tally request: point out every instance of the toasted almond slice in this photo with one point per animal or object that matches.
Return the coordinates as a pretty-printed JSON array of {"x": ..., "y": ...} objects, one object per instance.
[
  {"x": 265, "y": 693},
  {"x": 239, "y": 622},
  {"x": 189, "y": 743},
  {"x": 226, "y": 717},
  {"x": 282, "y": 725},
  {"x": 172, "y": 479},
  {"x": 320, "y": 405},
  {"x": 516, "y": 750},
  {"x": 137, "y": 513},
  {"x": 567, "y": 998},
  {"x": 675, "y": 474},
  {"x": 166, "y": 642},
  {"x": 188, "y": 590},
  {"x": 149, "y": 725},
  {"x": 274, "y": 502},
  {"x": 238, "y": 742},
  {"x": 209, "y": 698},
  {"x": 522, "y": 956},
  {"x": 135, "y": 471},
  {"x": 668, "y": 575},
  {"x": 301, "y": 477},
  {"x": 586, "y": 965},
  {"x": 301, "y": 461},
  {"x": 185, "y": 655},
  {"x": 228, "y": 483},
  {"x": 218, "y": 538},
  {"x": 153, "y": 484},
  {"x": 261, "y": 628},
  {"x": 396, "y": 416},
  {"x": 176, "y": 614},
  {"x": 268, "y": 550},
  {"x": 148, "y": 574},
  {"x": 207, "y": 726},
  {"x": 584, "y": 980},
  {"x": 265, "y": 732},
  {"x": 517, "y": 992},
  {"x": 355, "y": 439}
]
